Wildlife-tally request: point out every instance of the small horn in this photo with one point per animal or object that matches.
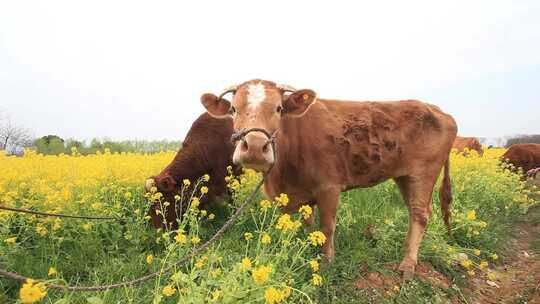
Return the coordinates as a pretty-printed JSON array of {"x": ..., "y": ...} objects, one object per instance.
[
  {"x": 285, "y": 88},
  {"x": 230, "y": 89}
]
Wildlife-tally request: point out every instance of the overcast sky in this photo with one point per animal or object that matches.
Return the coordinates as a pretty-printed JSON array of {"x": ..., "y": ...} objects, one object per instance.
[{"x": 131, "y": 69}]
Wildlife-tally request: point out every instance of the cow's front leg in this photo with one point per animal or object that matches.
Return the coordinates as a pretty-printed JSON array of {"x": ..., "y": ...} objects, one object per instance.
[{"x": 327, "y": 202}]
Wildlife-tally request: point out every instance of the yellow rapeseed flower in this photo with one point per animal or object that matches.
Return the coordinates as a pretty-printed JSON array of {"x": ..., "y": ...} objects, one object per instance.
[
  {"x": 266, "y": 239},
  {"x": 248, "y": 236},
  {"x": 261, "y": 274},
  {"x": 31, "y": 293},
  {"x": 195, "y": 202},
  {"x": 168, "y": 291},
  {"x": 206, "y": 177},
  {"x": 317, "y": 238},
  {"x": 52, "y": 271},
  {"x": 245, "y": 264},
  {"x": 186, "y": 182},
  {"x": 181, "y": 238},
  {"x": 316, "y": 279},
  {"x": 314, "y": 265},
  {"x": 265, "y": 204},
  {"x": 282, "y": 200},
  {"x": 306, "y": 211},
  {"x": 10, "y": 240},
  {"x": 272, "y": 296},
  {"x": 149, "y": 259},
  {"x": 466, "y": 263},
  {"x": 484, "y": 264},
  {"x": 204, "y": 189},
  {"x": 195, "y": 240},
  {"x": 471, "y": 215}
]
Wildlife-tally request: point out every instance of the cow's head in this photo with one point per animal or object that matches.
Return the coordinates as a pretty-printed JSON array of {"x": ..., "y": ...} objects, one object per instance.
[
  {"x": 258, "y": 104},
  {"x": 167, "y": 186}
]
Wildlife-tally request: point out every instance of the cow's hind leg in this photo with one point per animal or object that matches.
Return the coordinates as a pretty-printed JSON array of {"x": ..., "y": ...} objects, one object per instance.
[{"x": 419, "y": 190}]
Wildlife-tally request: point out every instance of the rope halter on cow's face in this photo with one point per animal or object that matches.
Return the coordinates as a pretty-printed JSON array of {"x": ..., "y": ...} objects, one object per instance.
[{"x": 240, "y": 135}]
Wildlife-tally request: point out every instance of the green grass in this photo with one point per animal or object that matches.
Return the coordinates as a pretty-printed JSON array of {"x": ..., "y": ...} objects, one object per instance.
[{"x": 105, "y": 255}]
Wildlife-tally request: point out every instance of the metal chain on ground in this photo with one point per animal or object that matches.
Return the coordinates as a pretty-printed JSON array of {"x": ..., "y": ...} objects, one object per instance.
[{"x": 145, "y": 278}]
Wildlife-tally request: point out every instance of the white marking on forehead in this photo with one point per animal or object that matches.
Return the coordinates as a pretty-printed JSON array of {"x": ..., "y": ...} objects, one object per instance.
[{"x": 256, "y": 94}]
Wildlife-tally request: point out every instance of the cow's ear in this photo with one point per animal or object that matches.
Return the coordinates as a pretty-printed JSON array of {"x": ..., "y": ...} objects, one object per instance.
[
  {"x": 298, "y": 102},
  {"x": 218, "y": 108},
  {"x": 166, "y": 183}
]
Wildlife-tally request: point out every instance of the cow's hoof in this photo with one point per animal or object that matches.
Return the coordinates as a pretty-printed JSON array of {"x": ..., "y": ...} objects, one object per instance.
[{"x": 407, "y": 270}]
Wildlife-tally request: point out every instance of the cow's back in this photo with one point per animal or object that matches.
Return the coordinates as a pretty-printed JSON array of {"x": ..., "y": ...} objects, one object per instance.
[
  {"x": 365, "y": 143},
  {"x": 525, "y": 156}
]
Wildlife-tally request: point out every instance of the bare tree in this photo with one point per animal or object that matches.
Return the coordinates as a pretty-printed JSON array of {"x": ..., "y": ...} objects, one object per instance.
[{"x": 12, "y": 136}]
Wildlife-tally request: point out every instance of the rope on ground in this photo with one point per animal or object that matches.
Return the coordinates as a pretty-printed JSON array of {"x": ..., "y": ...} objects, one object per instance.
[{"x": 20, "y": 210}]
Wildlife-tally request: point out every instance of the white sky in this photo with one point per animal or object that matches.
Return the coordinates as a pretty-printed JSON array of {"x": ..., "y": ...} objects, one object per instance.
[{"x": 133, "y": 69}]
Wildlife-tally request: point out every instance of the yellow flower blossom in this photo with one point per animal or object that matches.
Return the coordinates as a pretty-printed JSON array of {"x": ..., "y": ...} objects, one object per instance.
[
  {"x": 52, "y": 271},
  {"x": 180, "y": 238},
  {"x": 10, "y": 240},
  {"x": 317, "y": 238},
  {"x": 195, "y": 240},
  {"x": 266, "y": 239},
  {"x": 149, "y": 259},
  {"x": 484, "y": 264},
  {"x": 204, "y": 189},
  {"x": 466, "y": 263},
  {"x": 282, "y": 200},
  {"x": 245, "y": 264},
  {"x": 471, "y": 215},
  {"x": 273, "y": 295},
  {"x": 211, "y": 216},
  {"x": 261, "y": 274},
  {"x": 186, "y": 182},
  {"x": 168, "y": 291},
  {"x": 206, "y": 177},
  {"x": 314, "y": 265},
  {"x": 316, "y": 279},
  {"x": 248, "y": 236},
  {"x": 265, "y": 204},
  {"x": 31, "y": 293},
  {"x": 306, "y": 211}
]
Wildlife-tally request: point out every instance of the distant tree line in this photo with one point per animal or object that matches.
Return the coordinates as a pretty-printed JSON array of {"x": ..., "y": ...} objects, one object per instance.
[
  {"x": 524, "y": 139},
  {"x": 54, "y": 145}
]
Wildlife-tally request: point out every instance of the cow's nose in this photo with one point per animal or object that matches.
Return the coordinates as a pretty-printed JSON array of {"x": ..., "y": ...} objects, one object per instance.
[{"x": 253, "y": 151}]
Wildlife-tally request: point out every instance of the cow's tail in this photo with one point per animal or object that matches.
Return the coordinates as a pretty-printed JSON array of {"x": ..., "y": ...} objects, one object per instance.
[{"x": 445, "y": 196}]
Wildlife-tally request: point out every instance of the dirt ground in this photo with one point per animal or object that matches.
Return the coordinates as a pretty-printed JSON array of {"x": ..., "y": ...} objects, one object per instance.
[{"x": 518, "y": 278}]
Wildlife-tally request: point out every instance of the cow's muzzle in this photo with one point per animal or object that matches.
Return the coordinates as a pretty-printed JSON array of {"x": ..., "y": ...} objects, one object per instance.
[{"x": 254, "y": 150}]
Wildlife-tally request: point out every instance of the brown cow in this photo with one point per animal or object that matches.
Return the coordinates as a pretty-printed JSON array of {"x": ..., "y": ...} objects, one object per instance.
[
  {"x": 470, "y": 143},
  {"x": 323, "y": 147},
  {"x": 524, "y": 156},
  {"x": 207, "y": 149}
]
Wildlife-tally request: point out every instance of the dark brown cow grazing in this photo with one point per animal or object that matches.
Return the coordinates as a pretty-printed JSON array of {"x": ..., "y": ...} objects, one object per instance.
[
  {"x": 524, "y": 156},
  {"x": 470, "y": 143},
  {"x": 207, "y": 149},
  {"x": 323, "y": 147}
]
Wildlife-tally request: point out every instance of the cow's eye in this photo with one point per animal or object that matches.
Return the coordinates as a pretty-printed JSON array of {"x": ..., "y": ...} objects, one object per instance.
[
  {"x": 232, "y": 110},
  {"x": 279, "y": 109}
]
